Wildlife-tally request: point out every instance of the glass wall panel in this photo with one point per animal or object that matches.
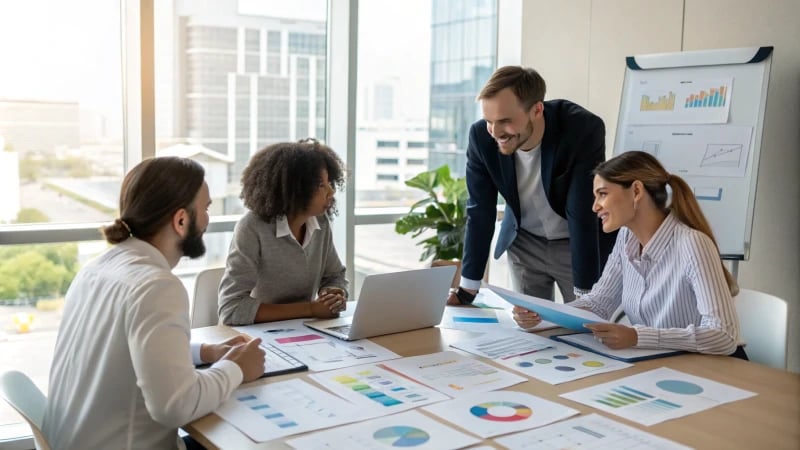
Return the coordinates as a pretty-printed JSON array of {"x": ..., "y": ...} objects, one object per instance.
[{"x": 61, "y": 160}]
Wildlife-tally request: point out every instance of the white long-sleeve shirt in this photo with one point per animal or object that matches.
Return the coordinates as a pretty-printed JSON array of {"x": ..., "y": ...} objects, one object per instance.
[
  {"x": 674, "y": 291},
  {"x": 122, "y": 374}
]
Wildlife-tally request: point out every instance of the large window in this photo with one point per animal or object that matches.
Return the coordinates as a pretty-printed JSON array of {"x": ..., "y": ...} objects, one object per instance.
[
  {"x": 61, "y": 161},
  {"x": 229, "y": 77},
  {"x": 233, "y": 76},
  {"x": 418, "y": 75}
]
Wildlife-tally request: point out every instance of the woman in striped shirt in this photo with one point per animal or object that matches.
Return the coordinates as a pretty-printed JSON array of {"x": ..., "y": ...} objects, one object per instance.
[{"x": 665, "y": 269}]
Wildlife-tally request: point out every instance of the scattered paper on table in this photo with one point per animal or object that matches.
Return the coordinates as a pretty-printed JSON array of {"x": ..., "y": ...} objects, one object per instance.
[
  {"x": 274, "y": 410},
  {"x": 560, "y": 363},
  {"x": 408, "y": 429},
  {"x": 593, "y": 431},
  {"x": 374, "y": 387},
  {"x": 490, "y": 414},
  {"x": 454, "y": 374},
  {"x": 657, "y": 395},
  {"x": 503, "y": 344}
]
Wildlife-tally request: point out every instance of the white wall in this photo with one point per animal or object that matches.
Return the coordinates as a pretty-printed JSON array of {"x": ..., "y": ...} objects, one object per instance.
[{"x": 580, "y": 46}]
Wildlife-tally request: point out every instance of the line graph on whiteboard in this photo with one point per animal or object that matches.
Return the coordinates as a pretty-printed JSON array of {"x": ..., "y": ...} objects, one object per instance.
[{"x": 722, "y": 155}]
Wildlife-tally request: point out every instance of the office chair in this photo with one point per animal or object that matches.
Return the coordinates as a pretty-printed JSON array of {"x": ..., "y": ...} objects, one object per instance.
[
  {"x": 763, "y": 324},
  {"x": 206, "y": 293},
  {"x": 20, "y": 392}
]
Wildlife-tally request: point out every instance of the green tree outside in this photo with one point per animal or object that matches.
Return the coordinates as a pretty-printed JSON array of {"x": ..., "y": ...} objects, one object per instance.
[
  {"x": 37, "y": 271},
  {"x": 30, "y": 169},
  {"x": 31, "y": 215}
]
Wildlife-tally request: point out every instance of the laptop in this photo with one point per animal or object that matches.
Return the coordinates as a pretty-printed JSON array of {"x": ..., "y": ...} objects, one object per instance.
[{"x": 393, "y": 303}]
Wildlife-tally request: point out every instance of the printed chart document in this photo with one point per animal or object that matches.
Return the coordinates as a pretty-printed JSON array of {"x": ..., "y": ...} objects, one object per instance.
[
  {"x": 560, "y": 314},
  {"x": 274, "y": 410},
  {"x": 490, "y": 414},
  {"x": 486, "y": 299},
  {"x": 593, "y": 431},
  {"x": 376, "y": 388},
  {"x": 655, "y": 396},
  {"x": 317, "y": 350},
  {"x": 408, "y": 429},
  {"x": 482, "y": 320},
  {"x": 586, "y": 341},
  {"x": 560, "y": 363},
  {"x": 503, "y": 344},
  {"x": 681, "y": 100},
  {"x": 454, "y": 374},
  {"x": 695, "y": 151}
]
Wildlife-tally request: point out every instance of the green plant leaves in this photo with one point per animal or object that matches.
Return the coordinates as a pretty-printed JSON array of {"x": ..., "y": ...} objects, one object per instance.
[{"x": 444, "y": 212}]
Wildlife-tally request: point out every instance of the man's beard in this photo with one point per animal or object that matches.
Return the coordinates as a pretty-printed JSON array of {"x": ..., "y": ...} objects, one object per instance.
[
  {"x": 531, "y": 129},
  {"x": 192, "y": 245}
]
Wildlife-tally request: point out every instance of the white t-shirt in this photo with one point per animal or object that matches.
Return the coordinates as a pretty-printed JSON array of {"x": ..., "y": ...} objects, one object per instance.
[
  {"x": 538, "y": 217},
  {"x": 122, "y": 374}
]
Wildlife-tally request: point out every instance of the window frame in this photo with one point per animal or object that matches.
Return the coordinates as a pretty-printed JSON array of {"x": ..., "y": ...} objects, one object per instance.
[{"x": 139, "y": 124}]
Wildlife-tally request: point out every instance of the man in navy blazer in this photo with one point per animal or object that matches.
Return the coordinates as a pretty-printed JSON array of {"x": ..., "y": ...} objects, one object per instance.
[{"x": 539, "y": 156}]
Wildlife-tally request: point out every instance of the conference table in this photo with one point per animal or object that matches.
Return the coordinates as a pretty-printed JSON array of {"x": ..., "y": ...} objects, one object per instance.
[{"x": 769, "y": 420}]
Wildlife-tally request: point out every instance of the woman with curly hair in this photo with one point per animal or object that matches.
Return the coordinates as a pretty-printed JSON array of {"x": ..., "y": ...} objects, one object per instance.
[{"x": 282, "y": 263}]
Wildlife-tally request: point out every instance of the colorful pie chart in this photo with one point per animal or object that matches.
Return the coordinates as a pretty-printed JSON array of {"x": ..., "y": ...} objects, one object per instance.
[
  {"x": 401, "y": 436},
  {"x": 501, "y": 411}
]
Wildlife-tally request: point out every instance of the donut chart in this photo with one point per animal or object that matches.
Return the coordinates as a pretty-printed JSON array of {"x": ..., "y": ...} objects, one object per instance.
[
  {"x": 401, "y": 436},
  {"x": 501, "y": 411}
]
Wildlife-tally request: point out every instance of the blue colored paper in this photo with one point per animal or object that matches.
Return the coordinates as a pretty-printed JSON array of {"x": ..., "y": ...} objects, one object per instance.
[{"x": 557, "y": 313}]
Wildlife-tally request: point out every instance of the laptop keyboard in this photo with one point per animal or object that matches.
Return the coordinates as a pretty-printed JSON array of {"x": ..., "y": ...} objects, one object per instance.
[
  {"x": 343, "y": 329},
  {"x": 278, "y": 362}
]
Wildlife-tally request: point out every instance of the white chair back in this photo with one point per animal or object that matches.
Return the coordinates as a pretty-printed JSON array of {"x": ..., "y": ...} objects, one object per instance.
[
  {"x": 763, "y": 323},
  {"x": 20, "y": 392},
  {"x": 205, "y": 306}
]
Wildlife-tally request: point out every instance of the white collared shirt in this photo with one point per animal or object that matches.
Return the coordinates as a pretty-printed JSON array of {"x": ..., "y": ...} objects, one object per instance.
[
  {"x": 282, "y": 229},
  {"x": 674, "y": 291},
  {"x": 122, "y": 375}
]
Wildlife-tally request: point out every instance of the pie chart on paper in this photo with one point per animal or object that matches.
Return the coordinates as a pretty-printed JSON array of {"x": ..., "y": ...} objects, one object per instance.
[
  {"x": 401, "y": 436},
  {"x": 501, "y": 411}
]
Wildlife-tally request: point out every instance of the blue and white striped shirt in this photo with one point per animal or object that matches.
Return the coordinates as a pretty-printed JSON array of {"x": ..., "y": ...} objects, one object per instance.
[{"x": 674, "y": 292}]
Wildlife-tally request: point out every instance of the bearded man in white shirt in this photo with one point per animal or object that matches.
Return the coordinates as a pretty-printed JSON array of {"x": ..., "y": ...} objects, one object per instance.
[{"x": 123, "y": 374}]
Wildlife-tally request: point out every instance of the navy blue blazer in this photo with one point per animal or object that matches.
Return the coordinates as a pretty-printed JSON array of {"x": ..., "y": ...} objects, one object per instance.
[{"x": 572, "y": 146}]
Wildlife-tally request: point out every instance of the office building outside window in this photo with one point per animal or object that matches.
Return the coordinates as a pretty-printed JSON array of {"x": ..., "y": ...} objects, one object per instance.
[
  {"x": 232, "y": 77},
  {"x": 61, "y": 161},
  {"x": 418, "y": 77},
  {"x": 235, "y": 76},
  {"x": 463, "y": 57}
]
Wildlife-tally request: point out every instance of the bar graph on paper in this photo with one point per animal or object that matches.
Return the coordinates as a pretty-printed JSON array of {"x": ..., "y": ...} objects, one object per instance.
[
  {"x": 591, "y": 431},
  {"x": 715, "y": 97},
  {"x": 266, "y": 412},
  {"x": 662, "y": 103},
  {"x": 657, "y": 395},
  {"x": 676, "y": 101}
]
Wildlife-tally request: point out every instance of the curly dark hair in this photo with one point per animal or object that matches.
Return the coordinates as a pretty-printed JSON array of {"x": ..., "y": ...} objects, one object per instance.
[{"x": 281, "y": 179}]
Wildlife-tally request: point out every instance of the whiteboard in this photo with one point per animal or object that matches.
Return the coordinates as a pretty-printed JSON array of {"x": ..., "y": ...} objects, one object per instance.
[{"x": 701, "y": 113}]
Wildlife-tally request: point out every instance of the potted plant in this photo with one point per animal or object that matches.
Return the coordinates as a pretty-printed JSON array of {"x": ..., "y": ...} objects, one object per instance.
[{"x": 443, "y": 212}]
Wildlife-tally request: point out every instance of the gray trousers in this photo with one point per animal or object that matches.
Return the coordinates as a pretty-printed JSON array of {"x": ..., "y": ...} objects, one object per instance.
[{"x": 536, "y": 263}]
